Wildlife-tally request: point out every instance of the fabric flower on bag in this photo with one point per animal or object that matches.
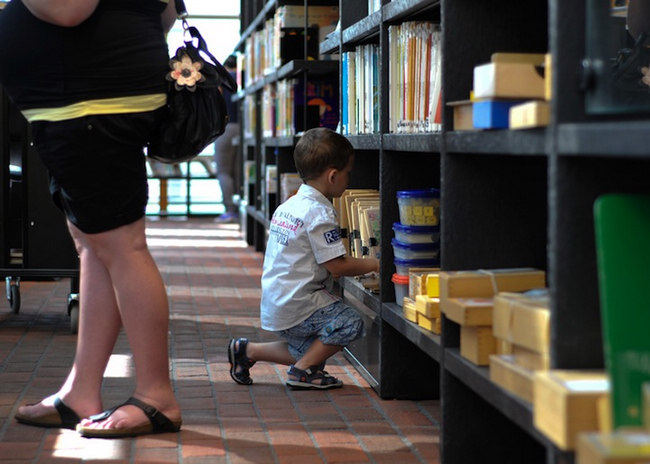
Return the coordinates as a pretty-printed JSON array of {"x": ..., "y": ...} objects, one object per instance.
[
  {"x": 185, "y": 73},
  {"x": 646, "y": 75}
]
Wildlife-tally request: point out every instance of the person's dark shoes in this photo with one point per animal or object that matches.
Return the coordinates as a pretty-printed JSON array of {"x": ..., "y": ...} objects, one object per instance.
[
  {"x": 239, "y": 362},
  {"x": 311, "y": 379},
  {"x": 62, "y": 417},
  {"x": 631, "y": 68}
]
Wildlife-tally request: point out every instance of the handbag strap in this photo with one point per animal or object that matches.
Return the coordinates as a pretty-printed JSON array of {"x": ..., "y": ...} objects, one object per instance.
[{"x": 226, "y": 79}]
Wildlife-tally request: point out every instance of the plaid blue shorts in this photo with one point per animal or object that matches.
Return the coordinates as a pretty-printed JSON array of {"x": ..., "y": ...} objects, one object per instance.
[{"x": 336, "y": 324}]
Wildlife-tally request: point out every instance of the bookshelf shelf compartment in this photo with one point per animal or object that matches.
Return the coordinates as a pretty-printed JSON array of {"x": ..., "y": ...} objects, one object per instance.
[
  {"x": 356, "y": 289},
  {"x": 331, "y": 43},
  {"x": 367, "y": 27},
  {"x": 624, "y": 139},
  {"x": 398, "y": 10},
  {"x": 365, "y": 141},
  {"x": 291, "y": 69},
  {"x": 529, "y": 142},
  {"x": 426, "y": 341},
  {"x": 287, "y": 141},
  {"x": 429, "y": 143},
  {"x": 268, "y": 7}
]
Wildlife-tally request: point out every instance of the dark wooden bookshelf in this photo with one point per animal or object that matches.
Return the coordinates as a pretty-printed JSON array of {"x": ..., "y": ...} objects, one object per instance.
[{"x": 510, "y": 198}]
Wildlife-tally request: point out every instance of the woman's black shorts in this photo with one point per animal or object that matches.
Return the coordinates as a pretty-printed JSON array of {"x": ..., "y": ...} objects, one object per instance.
[{"x": 97, "y": 169}]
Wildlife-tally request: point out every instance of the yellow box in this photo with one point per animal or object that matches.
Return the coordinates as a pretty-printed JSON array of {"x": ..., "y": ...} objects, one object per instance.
[
  {"x": 516, "y": 379},
  {"x": 508, "y": 80},
  {"x": 604, "y": 415},
  {"x": 463, "y": 114},
  {"x": 432, "y": 324},
  {"x": 418, "y": 280},
  {"x": 506, "y": 57},
  {"x": 468, "y": 311},
  {"x": 629, "y": 447},
  {"x": 503, "y": 346},
  {"x": 429, "y": 307},
  {"x": 477, "y": 344},
  {"x": 566, "y": 404},
  {"x": 523, "y": 319},
  {"x": 530, "y": 114},
  {"x": 433, "y": 285},
  {"x": 548, "y": 76},
  {"x": 531, "y": 360},
  {"x": 408, "y": 307},
  {"x": 486, "y": 283}
]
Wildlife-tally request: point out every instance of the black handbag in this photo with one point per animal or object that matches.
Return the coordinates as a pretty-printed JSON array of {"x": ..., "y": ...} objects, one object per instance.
[{"x": 196, "y": 109}]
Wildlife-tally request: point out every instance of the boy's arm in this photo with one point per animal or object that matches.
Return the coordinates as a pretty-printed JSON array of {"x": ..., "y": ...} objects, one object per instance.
[
  {"x": 66, "y": 13},
  {"x": 348, "y": 266}
]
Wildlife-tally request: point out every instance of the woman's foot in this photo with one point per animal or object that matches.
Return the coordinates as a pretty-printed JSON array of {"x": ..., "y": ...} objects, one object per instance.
[
  {"x": 132, "y": 417},
  {"x": 57, "y": 410}
]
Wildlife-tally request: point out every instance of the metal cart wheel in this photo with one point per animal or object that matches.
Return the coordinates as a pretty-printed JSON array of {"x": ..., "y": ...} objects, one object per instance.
[
  {"x": 73, "y": 312},
  {"x": 13, "y": 293}
]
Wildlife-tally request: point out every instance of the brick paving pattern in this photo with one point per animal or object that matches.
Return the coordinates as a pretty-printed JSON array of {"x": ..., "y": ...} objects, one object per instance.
[{"x": 213, "y": 281}]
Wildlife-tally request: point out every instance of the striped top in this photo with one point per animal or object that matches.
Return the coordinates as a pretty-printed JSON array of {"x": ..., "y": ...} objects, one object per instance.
[{"x": 114, "y": 62}]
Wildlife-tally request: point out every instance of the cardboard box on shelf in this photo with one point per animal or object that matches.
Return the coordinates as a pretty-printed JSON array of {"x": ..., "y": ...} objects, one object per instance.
[
  {"x": 433, "y": 285},
  {"x": 566, "y": 404},
  {"x": 523, "y": 319},
  {"x": 477, "y": 344},
  {"x": 548, "y": 77},
  {"x": 418, "y": 280},
  {"x": 486, "y": 283},
  {"x": 627, "y": 447},
  {"x": 427, "y": 306},
  {"x": 531, "y": 360},
  {"x": 503, "y": 346},
  {"x": 530, "y": 114},
  {"x": 468, "y": 311},
  {"x": 509, "y": 80},
  {"x": 463, "y": 114},
  {"x": 604, "y": 414},
  {"x": 432, "y": 324},
  {"x": 408, "y": 307},
  {"x": 514, "y": 378}
]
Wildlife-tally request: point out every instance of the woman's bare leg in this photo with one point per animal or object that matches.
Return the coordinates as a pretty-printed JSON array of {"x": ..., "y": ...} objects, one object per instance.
[
  {"x": 142, "y": 303},
  {"x": 99, "y": 325}
]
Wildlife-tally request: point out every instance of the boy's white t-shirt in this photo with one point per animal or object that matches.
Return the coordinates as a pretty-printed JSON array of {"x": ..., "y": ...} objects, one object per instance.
[{"x": 304, "y": 233}]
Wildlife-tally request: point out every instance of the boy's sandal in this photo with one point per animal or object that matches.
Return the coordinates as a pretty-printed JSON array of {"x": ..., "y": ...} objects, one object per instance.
[
  {"x": 62, "y": 417},
  {"x": 158, "y": 423},
  {"x": 239, "y": 362},
  {"x": 311, "y": 379}
]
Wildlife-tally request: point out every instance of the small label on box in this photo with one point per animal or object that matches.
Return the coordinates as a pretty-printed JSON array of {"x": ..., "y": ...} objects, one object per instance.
[{"x": 583, "y": 386}]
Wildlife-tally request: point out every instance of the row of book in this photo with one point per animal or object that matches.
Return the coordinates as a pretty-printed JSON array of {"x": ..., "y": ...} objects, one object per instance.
[
  {"x": 289, "y": 108},
  {"x": 282, "y": 39},
  {"x": 415, "y": 77},
  {"x": 360, "y": 86},
  {"x": 360, "y": 220}
]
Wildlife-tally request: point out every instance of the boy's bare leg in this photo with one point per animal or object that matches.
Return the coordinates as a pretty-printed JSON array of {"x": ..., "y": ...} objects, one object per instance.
[
  {"x": 317, "y": 354},
  {"x": 276, "y": 352}
]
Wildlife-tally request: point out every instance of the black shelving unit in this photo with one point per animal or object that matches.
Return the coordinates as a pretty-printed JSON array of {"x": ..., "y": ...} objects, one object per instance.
[{"x": 509, "y": 199}]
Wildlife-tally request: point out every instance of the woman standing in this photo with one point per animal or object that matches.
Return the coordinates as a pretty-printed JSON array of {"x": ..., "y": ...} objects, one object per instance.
[{"x": 89, "y": 77}]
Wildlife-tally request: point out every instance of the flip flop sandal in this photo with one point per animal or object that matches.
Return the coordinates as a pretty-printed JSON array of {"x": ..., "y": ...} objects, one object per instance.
[
  {"x": 159, "y": 423},
  {"x": 311, "y": 379},
  {"x": 239, "y": 362},
  {"x": 63, "y": 417}
]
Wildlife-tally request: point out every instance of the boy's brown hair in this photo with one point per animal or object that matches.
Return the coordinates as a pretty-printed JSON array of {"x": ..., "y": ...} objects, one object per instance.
[{"x": 320, "y": 149}]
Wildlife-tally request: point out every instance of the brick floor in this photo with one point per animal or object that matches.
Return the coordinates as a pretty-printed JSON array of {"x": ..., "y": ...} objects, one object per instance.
[{"x": 213, "y": 283}]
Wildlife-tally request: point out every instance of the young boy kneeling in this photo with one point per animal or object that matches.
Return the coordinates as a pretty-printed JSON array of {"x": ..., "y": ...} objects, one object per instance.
[{"x": 304, "y": 248}]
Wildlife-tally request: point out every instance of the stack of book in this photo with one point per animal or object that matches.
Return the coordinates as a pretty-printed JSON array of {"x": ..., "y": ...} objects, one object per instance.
[
  {"x": 415, "y": 77},
  {"x": 358, "y": 211},
  {"x": 360, "y": 86},
  {"x": 288, "y": 106},
  {"x": 282, "y": 39}
]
